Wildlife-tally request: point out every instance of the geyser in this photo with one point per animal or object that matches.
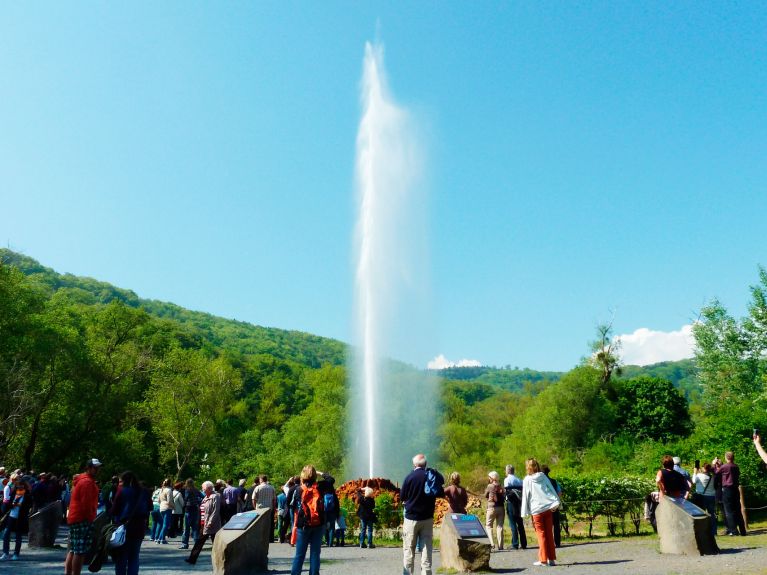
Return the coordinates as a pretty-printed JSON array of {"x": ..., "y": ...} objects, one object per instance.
[{"x": 392, "y": 406}]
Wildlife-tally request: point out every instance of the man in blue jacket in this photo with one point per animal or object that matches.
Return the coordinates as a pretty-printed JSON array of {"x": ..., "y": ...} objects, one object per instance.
[{"x": 419, "y": 494}]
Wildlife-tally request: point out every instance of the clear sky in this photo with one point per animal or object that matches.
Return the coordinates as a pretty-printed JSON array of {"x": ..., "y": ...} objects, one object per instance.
[{"x": 585, "y": 160}]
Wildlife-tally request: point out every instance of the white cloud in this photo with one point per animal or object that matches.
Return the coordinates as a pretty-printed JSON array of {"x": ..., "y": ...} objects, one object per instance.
[
  {"x": 647, "y": 346},
  {"x": 441, "y": 362}
]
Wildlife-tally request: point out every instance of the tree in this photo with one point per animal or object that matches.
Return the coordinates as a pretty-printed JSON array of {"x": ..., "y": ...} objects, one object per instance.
[
  {"x": 189, "y": 393},
  {"x": 727, "y": 357},
  {"x": 605, "y": 356},
  {"x": 653, "y": 408}
]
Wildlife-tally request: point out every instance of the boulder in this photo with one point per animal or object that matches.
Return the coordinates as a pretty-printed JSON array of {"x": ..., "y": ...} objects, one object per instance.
[
  {"x": 241, "y": 547},
  {"x": 44, "y": 525},
  {"x": 464, "y": 545},
  {"x": 684, "y": 528}
]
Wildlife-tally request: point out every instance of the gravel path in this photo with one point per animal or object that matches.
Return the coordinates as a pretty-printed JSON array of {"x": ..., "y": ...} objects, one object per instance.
[{"x": 640, "y": 556}]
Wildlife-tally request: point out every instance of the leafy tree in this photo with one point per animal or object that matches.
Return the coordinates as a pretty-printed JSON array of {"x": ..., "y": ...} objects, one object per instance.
[
  {"x": 605, "y": 353},
  {"x": 189, "y": 393},
  {"x": 653, "y": 408}
]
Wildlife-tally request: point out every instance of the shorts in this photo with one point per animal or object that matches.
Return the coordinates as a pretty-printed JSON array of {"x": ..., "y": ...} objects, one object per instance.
[{"x": 80, "y": 537}]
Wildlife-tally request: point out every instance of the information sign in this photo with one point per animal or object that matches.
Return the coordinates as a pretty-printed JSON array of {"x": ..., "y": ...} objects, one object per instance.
[
  {"x": 241, "y": 521},
  {"x": 468, "y": 526}
]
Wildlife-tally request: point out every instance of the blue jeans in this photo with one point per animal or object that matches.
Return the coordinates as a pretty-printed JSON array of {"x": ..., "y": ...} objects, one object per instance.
[
  {"x": 518, "y": 535},
  {"x": 126, "y": 560},
  {"x": 330, "y": 528},
  {"x": 166, "y": 518},
  {"x": 156, "y": 523},
  {"x": 708, "y": 502},
  {"x": 191, "y": 524},
  {"x": 366, "y": 526},
  {"x": 11, "y": 527},
  {"x": 308, "y": 536}
]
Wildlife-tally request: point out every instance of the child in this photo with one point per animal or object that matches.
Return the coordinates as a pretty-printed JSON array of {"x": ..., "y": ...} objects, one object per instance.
[{"x": 341, "y": 527}]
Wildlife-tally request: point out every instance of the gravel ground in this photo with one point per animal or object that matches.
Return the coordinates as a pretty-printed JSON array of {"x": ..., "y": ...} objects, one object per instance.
[{"x": 639, "y": 555}]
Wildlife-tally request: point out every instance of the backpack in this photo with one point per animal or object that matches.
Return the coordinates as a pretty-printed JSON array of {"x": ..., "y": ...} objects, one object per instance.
[
  {"x": 433, "y": 486},
  {"x": 329, "y": 501},
  {"x": 311, "y": 511}
]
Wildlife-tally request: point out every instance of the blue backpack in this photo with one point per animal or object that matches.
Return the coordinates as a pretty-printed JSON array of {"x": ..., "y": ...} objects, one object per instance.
[
  {"x": 330, "y": 504},
  {"x": 434, "y": 485}
]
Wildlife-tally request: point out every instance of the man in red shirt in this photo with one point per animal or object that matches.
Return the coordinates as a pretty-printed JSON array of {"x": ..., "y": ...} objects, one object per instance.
[{"x": 83, "y": 504}]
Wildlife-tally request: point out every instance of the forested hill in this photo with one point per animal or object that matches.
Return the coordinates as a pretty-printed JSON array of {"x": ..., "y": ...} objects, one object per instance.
[
  {"x": 232, "y": 335},
  {"x": 681, "y": 373}
]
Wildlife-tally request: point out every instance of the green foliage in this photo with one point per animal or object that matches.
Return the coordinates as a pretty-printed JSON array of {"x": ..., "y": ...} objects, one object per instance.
[
  {"x": 592, "y": 499},
  {"x": 653, "y": 408},
  {"x": 563, "y": 419},
  {"x": 388, "y": 515}
]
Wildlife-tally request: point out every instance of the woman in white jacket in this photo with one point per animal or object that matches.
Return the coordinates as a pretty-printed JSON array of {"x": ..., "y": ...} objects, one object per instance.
[{"x": 540, "y": 500}]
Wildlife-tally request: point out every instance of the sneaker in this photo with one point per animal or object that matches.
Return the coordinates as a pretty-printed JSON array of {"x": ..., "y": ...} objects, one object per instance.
[
  {"x": 552, "y": 563},
  {"x": 539, "y": 564},
  {"x": 4, "y": 557},
  {"x": 184, "y": 547},
  {"x": 14, "y": 557},
  {"x": 163, "y": 542},
  {"x": 372, "y": 546}
]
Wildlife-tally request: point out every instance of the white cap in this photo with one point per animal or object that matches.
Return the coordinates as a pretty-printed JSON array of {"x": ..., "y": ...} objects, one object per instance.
[
  {"x": 94, "y": 462},
  {"x": 677, "y": 460}
]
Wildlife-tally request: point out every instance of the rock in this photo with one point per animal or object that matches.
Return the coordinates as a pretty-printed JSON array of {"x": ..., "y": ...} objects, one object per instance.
[
  {"x": 243, "y": 551},
  {"x": 684, "y": 528},
  {"x": 44, "y": 525},
  {"x": 464, "y": 545}
]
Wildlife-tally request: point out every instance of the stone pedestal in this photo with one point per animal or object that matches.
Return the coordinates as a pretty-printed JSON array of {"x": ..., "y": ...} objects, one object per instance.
[
  {"x": 684, "y": 528},
  {"x": 44, "y": 525},
  {"x": 243, "y": 551},
  {"x": 464, "y": 545}
]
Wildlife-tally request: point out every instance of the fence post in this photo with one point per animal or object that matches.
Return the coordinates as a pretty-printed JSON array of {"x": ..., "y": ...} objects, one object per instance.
[{"x": 743, "y": 506}]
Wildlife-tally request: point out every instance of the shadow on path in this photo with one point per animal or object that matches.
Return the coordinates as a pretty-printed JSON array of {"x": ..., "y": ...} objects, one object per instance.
[{"x": 609, "y": 562}]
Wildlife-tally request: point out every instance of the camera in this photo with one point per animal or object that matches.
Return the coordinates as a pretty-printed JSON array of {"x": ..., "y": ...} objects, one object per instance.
[{"x": 697, "y": 464}]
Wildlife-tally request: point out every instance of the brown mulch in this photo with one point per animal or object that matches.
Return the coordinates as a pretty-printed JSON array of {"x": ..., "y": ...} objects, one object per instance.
[{"x": 350, "y": 489}]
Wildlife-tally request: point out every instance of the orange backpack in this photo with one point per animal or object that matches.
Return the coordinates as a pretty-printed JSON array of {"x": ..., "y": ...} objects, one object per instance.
[{"x": 312, "y": 510}]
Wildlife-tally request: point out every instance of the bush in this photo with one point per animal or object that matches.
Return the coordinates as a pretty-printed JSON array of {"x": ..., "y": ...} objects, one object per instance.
[{"x": 589, "y": 498}]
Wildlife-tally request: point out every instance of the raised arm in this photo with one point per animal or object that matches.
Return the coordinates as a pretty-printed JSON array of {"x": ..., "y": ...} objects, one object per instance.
[{"x": 759, "y": 448}]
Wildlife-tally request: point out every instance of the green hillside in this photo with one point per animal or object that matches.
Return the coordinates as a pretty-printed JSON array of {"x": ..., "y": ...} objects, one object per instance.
[{"x": 235, "y": 336}]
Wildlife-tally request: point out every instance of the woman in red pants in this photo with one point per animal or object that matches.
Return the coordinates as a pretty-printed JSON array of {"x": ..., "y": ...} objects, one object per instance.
[{"x": 540, "y": 500}]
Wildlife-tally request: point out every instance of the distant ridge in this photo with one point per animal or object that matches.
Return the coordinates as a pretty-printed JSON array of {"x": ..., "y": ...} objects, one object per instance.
[{"x": 304, "y": 348}]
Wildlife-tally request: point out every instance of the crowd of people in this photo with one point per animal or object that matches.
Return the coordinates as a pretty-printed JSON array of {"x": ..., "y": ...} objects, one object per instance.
[{"x": 306, "y": 513}]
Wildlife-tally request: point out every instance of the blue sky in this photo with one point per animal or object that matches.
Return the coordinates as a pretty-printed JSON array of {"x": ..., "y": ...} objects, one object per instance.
[{"x": 584, "y": 160}]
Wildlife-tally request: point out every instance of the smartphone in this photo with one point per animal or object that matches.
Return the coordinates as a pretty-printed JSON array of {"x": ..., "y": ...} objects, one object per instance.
[
  {"x": 756, "y": 432},
  {"x": 697, "y": 464}
]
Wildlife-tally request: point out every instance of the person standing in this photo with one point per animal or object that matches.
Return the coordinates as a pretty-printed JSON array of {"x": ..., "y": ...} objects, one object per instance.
[
  {"x": 265, "y": 496},
  {"x": 18, "y": 519},
  {"x": 166, "y": 511},
  {"x": 705, "y": 492},
  {"x": 457, "y": 497},
  {"x": 283, "y": 521},
  {"x": 192, "y": 501},
  {"x": 310, "y": 523},
  {"x": 539, "y": 499},
  {"x": 366, "y": 513},
  {"x": 210, "y": 518},
  {"x": 130, "y": 507},
  {"x": 556, "y": 516},
  {"x": 730, "y": 476},
  {"x": 418, "y": 494},
  {"x": 513, "y": 487},
  {"x": 83, "y": 503},
  {"x": 494, "y": 516}
]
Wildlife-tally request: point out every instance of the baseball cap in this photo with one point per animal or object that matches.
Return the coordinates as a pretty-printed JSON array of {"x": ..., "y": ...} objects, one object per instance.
[{"x": 94, "y": 462}]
